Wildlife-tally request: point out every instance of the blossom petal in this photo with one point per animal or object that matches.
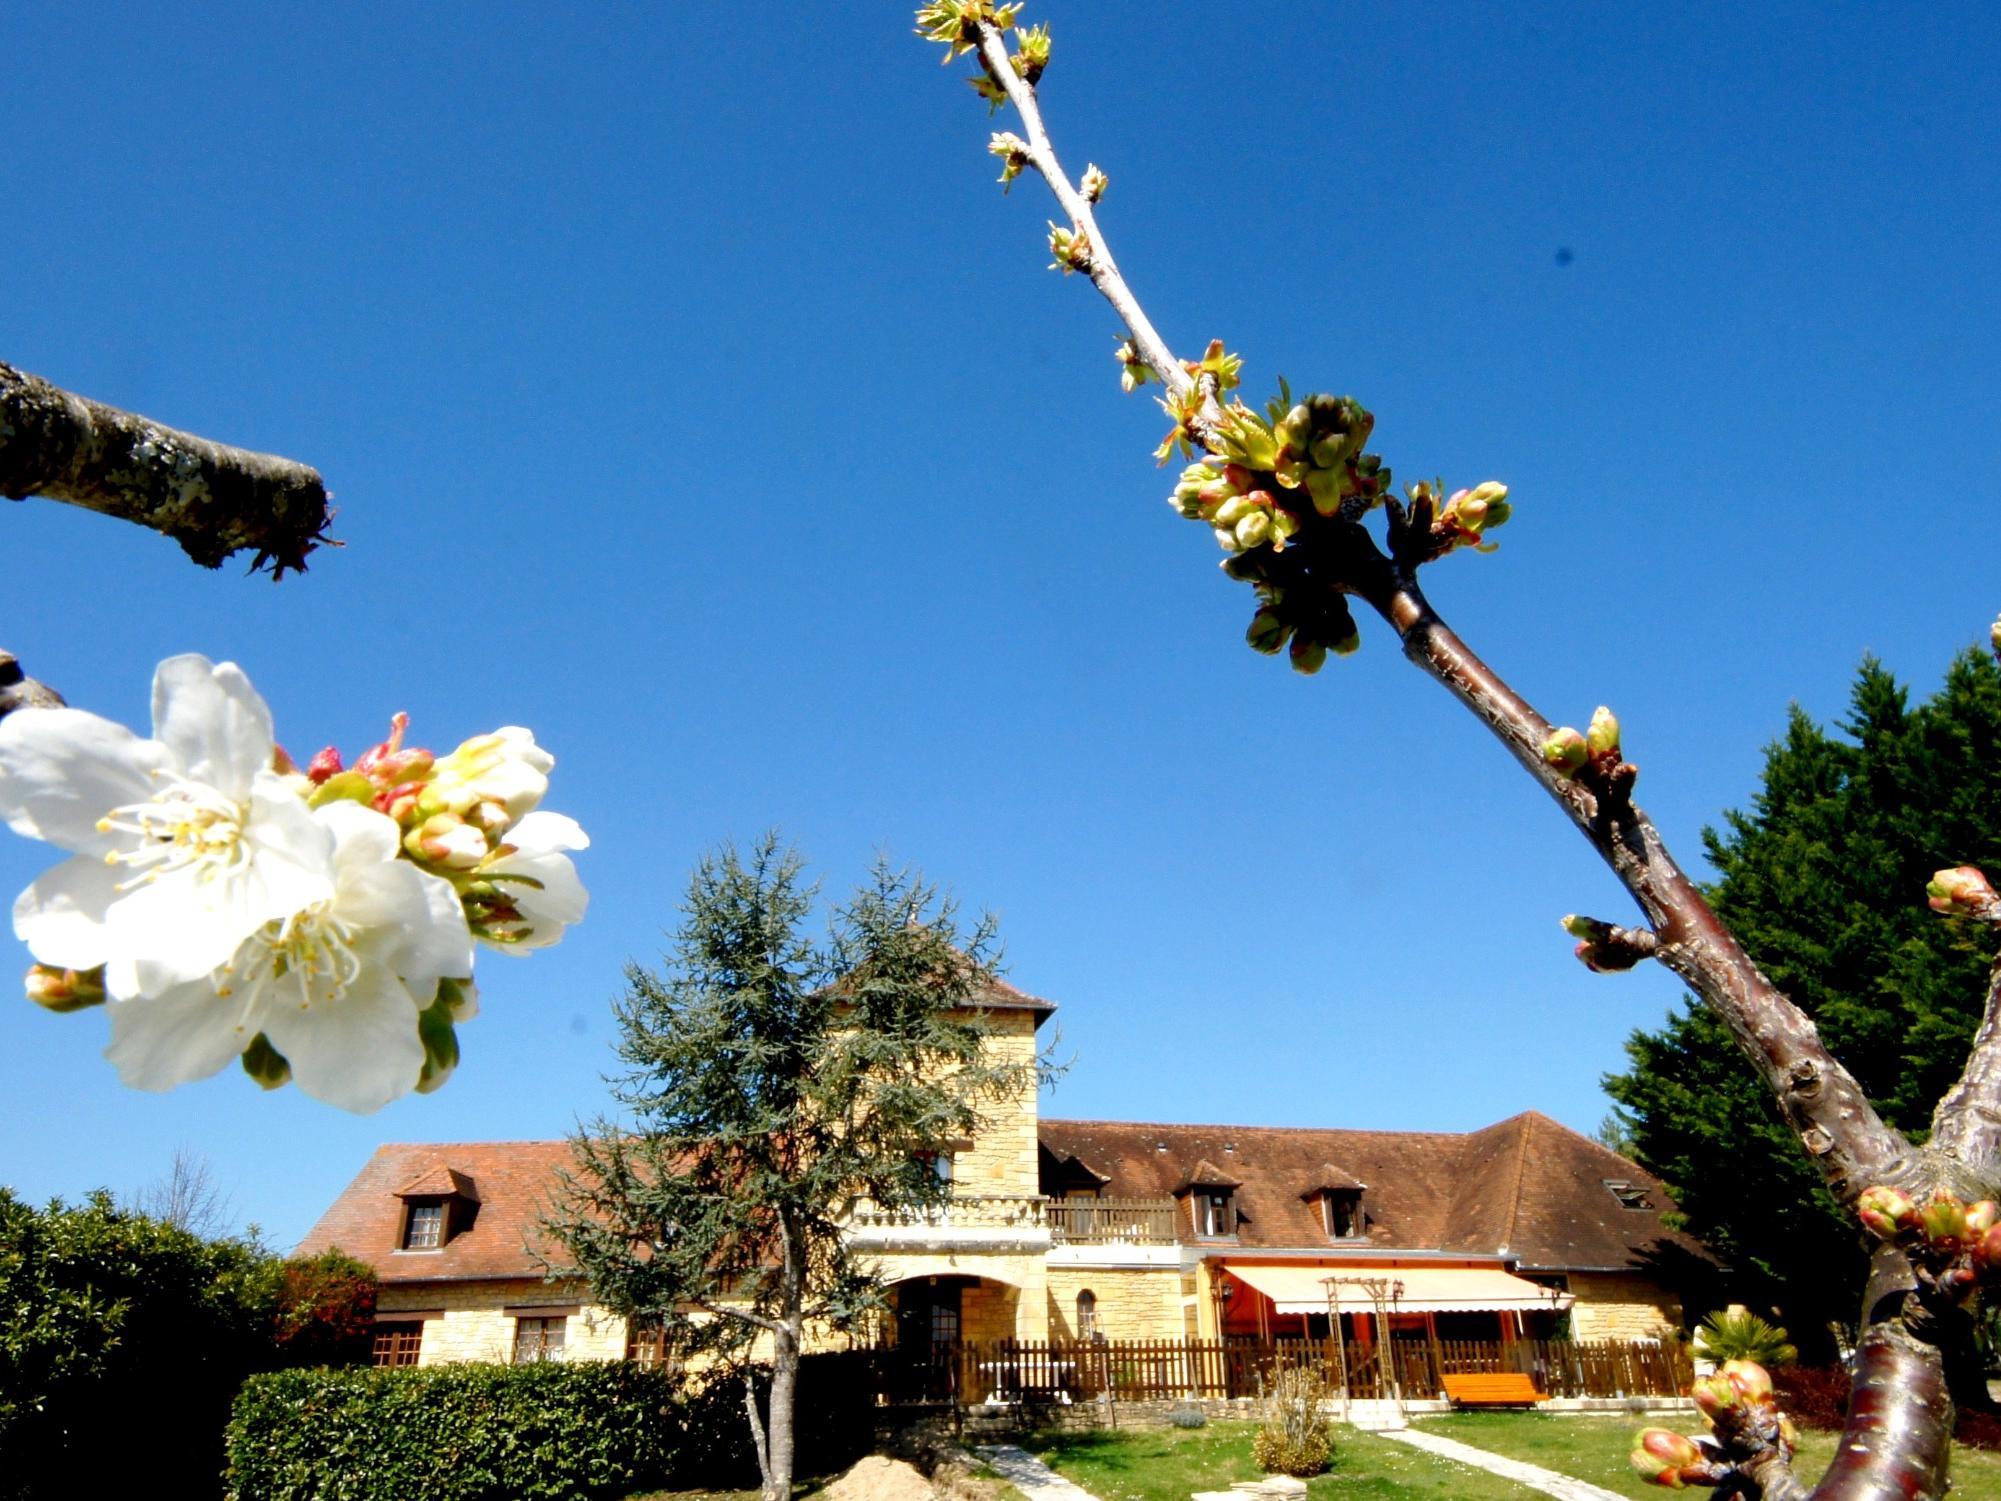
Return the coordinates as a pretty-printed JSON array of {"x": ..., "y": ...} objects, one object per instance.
[
  {"x": 173, "y": 931},
  {"x": 61, "y": 916},
  {"x": 359, "y": 1051},
  {"x": 61, "y": 770},
  {"x": 177, "y": 1035},
  {"x": 210, "y": 717},
  {"x": 561, "y": 898},
  {"x": 556, "y": 831},
  {"x": 291, "y": 863},
  {"x": 361, "y": 836}
]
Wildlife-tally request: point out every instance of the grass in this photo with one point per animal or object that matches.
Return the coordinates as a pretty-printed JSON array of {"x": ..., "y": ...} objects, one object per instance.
[
  {"x": 1594, "y": 1449},
  {"x": 1170, "y": 1464}
]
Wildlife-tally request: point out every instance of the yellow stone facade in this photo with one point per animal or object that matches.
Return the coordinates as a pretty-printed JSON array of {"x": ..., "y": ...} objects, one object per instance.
[
  {"x": 476, "y": 1321},
  {"x": 1130, "y": 1302},
  {"x": 1614, "y": 1305}
]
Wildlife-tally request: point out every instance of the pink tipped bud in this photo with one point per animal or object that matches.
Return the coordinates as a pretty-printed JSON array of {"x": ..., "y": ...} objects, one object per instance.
[
  {"x": 1714, "y": 1394},
  {"x": 446, "y": 839},
  {"x": 1660, "y": 1455},
  {"x": 326, "y": 764},
  {"x": 1944, "y": 1220},
  {"x": 1987, "y": 1250},
  {"x": 1566, "y": 751},
  {"x": 1963, "y": 891},
  {"x": 1980, "y": 1219},
  {"x": 64, "y": 989},
  {"x": 1886, "y": 1212},
  {"x": 1753, "y": 1381}
]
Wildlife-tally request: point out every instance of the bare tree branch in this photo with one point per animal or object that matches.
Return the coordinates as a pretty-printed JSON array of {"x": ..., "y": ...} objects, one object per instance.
[
  {"x": 188, "y": 1197},
  {"x": 1967, "y": 1123},
  {"x": 19, "y": 691},
  {"x": 212, "y": 499}
]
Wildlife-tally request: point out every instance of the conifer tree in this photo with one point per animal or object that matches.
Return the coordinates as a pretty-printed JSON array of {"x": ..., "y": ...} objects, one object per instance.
[{"x": 772, "y": 1082}]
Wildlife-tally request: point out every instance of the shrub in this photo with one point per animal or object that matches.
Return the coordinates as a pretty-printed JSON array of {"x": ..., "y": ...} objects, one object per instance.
[
  {"x": 1739, "y": 1334},
  {"x": 1187, "y": 1415},
  {"x": 1294, "y": 1439},
  {"x": 1812, "y": 1396},
  {"x": 583, "y": 1429}
]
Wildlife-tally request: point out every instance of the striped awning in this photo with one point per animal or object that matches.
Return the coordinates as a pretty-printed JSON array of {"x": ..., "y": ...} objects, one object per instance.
[{"x": 1305, "y": 1289}]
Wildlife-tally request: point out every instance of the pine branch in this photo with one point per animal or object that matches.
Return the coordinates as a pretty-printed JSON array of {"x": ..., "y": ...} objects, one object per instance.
[{"x": 212, "y": 499}]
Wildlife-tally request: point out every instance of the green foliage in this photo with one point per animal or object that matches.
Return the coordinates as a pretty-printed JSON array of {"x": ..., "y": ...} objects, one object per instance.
[
  {"x": 123, "y": 1340},
  {"x": 1823, "y": 883},
  {"x": 1293, "y": 1438},
  {"x": 770, "y": 1081},
  {"x": 1736, "y": 1333},
  {"x": 475, "y": 1432},
  {"x": 583, "y": 1429}
]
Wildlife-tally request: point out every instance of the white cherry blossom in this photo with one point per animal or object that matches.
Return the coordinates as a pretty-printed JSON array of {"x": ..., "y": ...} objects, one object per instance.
[{"x": 558, "y": 899}]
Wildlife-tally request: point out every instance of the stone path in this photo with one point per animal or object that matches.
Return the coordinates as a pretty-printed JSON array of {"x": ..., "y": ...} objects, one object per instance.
[
  {"x": 1029, "y": 1475},
  {"x": 1535, "y": 1476}
]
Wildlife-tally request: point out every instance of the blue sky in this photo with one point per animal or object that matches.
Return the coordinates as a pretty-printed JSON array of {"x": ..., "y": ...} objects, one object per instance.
[{"x": 692, "y": 395}]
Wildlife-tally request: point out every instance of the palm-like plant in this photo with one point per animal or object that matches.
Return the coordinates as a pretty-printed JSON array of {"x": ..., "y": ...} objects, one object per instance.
[{"x": 1739, "y": 1334}]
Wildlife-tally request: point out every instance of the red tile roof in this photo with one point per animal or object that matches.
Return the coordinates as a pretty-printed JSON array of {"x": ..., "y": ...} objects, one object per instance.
[{"x": 1524, "y": 1188}]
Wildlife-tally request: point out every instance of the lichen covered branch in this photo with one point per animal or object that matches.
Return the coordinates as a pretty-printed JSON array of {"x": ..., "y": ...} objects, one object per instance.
[
  {"x": 212, "y": 499},
  {"x": 19, "y": 691}
]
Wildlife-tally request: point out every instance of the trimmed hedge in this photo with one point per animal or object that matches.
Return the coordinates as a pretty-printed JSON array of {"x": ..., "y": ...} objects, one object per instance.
[{"x": 568, "y": 1429}]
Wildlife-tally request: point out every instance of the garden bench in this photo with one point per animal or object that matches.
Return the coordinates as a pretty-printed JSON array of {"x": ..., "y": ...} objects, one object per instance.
[{"x": 1493, "y": 1389}]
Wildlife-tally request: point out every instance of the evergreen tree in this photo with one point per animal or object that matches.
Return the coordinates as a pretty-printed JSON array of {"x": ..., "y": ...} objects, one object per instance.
[
  {"x": 1822, "y": 881},
  {"x": 772, "y": 1082}
]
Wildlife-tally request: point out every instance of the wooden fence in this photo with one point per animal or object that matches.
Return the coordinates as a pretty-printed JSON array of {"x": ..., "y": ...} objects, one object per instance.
[{"x": 972, "y": 1372}]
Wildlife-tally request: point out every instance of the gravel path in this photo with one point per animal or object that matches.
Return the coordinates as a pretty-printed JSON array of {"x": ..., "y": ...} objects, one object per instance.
[{"x": 1031, "y": 1476}]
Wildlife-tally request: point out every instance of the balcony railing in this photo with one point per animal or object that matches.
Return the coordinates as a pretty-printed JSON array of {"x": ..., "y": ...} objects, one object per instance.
[
  {"x": 960, "y": 1212},
  {"x": 1114, "y": 1222}
]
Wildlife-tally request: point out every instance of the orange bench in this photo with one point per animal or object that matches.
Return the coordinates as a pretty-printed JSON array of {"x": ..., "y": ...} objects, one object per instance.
[{"x": 1493, "y": 1389}]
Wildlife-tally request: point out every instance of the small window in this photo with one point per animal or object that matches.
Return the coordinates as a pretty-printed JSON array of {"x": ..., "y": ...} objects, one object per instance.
[
  {"x": 939, "y": 1163},
  {"x": 1213, "y": 1213},
  {"x": 1087, "y": 1314},
  {"x": 424, "y": 1228},
  {"x": 646, "y": 1345},
  {"x": 1344, "y": 1214},
  {"x": 399, "y": 1343},
  {"x": 1629, "y": 1195},
  {"x": 538, "y": 1339}
]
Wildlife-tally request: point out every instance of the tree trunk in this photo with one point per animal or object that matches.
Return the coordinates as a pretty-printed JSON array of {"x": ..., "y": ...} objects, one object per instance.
[{"x": 784, "y": 1389}]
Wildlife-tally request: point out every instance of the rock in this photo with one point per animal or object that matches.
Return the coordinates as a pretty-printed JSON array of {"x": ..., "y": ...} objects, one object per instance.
[{"x": 878, "y": 1478}]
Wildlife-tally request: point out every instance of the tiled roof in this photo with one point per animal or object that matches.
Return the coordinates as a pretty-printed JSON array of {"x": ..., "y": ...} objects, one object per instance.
[
  {"x": 516, "y": 1181},
  {"x": 1525, "y": 1187},
  {"x": 440, "y": 1182}
]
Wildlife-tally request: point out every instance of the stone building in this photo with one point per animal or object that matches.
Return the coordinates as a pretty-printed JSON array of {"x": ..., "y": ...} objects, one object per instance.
[{"x": 1108, "y": 1230}]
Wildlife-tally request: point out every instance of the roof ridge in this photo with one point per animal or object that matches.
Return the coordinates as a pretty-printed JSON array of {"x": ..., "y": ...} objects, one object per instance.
[
  {"x": 1224, "y": 1126},
  {"x": 1521, "y": 1168}
]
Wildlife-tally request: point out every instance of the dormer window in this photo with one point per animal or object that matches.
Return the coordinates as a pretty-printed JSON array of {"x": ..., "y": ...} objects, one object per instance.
[
  {"x": 424, "y": 1226},
  {"x": 1215, "y": 1212},
  {"x": 1343, "y": 1210},
  {"x": 437, "y": 1205},
  {"x": 1630, "y": 1195}
]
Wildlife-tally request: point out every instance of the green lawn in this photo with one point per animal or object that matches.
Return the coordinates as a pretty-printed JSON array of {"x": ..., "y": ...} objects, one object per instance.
[
  {"x": 1169, "y": 1464},
  {"x": 1595, "y": 1449}
]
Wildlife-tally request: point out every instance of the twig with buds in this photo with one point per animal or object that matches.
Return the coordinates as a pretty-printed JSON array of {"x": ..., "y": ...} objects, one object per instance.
[
  {"x": 212, "y": 499},
  {"x": 19, "y": 691}
]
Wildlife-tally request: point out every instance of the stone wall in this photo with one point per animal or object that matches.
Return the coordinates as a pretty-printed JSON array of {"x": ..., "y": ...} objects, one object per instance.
[
  {"x": 1133, "y": 1303},
  {"x": 1002, "y": 1157},
  {"x": 471, "y": 1321},
  {"x": 1617, "y": 1305}
]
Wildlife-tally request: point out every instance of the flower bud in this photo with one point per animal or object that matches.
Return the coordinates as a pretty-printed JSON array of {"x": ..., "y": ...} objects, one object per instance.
[
  {"x": 327, "y": 763},
  {"x": 266, "y": 1064},
  {"x": 1964, "y": 891},
  {"x": 1295, "y": 430},
  {"x": 1254, "y": 529},
  {"x": 1590, "y": 929},
  {"x": 1348, "y": 642},
  {"x": 1714, "y": 1394},
  {"x": 1987, "y": 1250},
  {"x": 1660, "y": 1455},
  {"x": 1093, "y": 184},
  {"x": 1602, "y": 739},
  {"x": 1307, "y": 656},
  {"x": 64, "y": 990},
  {"x": 1886, "y": 1212},
  {"x": 1267, "y": 633},
  {"x": 1944, "y": 1220},
  {"x": 446, "y": 839},
  {"x": 1753, "y": 1381},
  {"x": 505, "y": 767},
  {"x": 1566, "y": 751},
  {"x": 1324, "y": 487},
  {"x": 1980, "y": 1219}
]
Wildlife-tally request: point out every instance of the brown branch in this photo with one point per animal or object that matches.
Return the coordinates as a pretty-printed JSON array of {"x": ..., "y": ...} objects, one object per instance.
[
  {"x": 19, "y": 691},
  {"x": 212, "y": 499},
  {"x": 1967, "y": 1124},
  {"x": 1897, "y": 1441},
  {"x": 1836, "y": 1124}
]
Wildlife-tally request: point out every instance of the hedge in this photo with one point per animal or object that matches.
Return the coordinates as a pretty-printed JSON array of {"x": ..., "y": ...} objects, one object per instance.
[{"x": 570, "y": 1429}]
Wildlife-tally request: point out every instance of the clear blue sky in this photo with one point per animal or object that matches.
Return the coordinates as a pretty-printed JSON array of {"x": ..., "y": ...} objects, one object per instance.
[{"x": 693, "y": 396}]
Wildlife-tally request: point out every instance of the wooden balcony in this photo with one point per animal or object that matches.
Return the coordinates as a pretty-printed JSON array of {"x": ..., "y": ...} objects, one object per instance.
[{"x": 1114, "y": 1222}]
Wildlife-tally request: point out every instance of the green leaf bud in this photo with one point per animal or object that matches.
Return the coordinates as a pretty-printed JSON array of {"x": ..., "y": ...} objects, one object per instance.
[
  {"x": 1602, "y": 738},
  {"x": 1307, "y": 656},
  {"x": 1267, "y": 632},
  {"x": 1566, "y": 751},
  {"x": 266, "y": 1064}
]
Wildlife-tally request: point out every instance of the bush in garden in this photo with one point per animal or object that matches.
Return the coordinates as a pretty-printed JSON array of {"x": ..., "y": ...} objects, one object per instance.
[{"x": 1294, "y": 1439}]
